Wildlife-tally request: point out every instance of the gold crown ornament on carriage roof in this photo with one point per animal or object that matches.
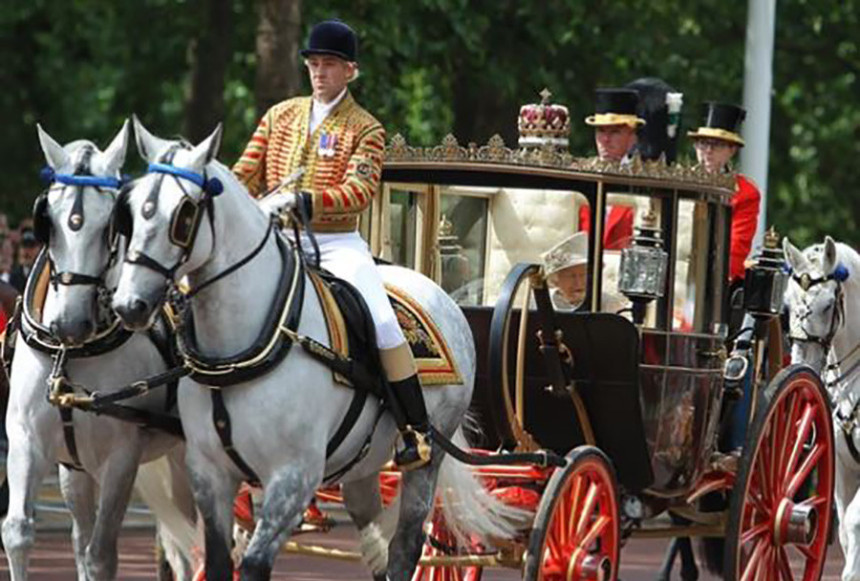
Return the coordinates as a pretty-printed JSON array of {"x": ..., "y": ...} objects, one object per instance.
[{"x": 544, "y": 123}]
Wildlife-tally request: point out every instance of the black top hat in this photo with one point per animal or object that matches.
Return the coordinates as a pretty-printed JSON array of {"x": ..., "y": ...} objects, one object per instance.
[
  {"x": 335, "y": 38},
  {"x": 615, "y": 107},
  {"x": 721, "y": 121}
]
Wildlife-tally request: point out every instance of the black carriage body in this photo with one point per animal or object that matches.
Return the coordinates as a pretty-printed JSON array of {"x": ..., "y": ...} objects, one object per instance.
[{"x": 651, "y": 392}]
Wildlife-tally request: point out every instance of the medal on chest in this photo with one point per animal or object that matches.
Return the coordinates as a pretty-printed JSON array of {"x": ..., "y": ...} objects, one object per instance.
[{"x": 328, "y": 142}]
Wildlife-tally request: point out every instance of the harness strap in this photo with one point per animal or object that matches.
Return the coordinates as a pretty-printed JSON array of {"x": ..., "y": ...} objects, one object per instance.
[
  {"x": 69, "y": 437},
  {"x": 58, "y": 383},
  {"x": 234, "y": 267},
  {"x": 221, "y": 419},
  {"x": 352, "y": 414}
]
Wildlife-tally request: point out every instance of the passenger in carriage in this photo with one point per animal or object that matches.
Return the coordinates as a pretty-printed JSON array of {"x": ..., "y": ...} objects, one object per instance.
[
  {"x": 615, "y": 122},
  {"x": 565, "y": 266},
  {"x": 716, "y": 142},
  {"x": 340, "y": 146}
]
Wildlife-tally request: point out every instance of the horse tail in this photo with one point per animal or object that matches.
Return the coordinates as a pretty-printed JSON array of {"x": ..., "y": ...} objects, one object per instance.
[
  {"x": 469, "y": 508},
  {"x": 164, "y": 486}
]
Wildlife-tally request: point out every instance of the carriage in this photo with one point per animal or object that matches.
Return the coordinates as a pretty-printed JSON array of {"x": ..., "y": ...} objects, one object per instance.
[
  {"x": 635, "y": 387},
  {"x": 603, "y": 418}
]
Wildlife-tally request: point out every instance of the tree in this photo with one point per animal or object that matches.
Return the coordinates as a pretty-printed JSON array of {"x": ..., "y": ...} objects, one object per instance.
[
  {"x": 278, "y": 39},
  {"x": 210, "y": 56}
]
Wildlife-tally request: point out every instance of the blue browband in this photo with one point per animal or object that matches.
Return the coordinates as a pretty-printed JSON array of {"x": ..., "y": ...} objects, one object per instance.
[
  {"x": 50, "y": 176},
  {"x": 212, "y": 186}
]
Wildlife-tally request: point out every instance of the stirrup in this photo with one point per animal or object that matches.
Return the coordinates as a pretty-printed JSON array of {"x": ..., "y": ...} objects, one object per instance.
[{"x": 416, "y": 450}]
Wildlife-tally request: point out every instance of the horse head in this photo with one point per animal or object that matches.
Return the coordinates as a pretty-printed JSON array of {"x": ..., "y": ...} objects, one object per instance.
[
  {"x": 73, "y": 218},
  {"x": 164, "y": 214},
  {"x": 816, "y": 300}
]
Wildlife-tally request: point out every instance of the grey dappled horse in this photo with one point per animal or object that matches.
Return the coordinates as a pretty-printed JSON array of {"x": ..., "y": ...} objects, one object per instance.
[
  {"x": 77, "y": 210},
  {"x": 282, "y": 420}
]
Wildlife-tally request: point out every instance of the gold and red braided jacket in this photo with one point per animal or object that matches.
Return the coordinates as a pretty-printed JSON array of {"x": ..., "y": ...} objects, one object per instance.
[{"x": 341, "y": 181}]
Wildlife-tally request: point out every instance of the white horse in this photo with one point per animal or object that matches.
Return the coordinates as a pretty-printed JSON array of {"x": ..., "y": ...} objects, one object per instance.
[
  {"x": 823, "y": 297},
  {"x": 283, "y": 419},
  {"x": 75, "y": 215}
]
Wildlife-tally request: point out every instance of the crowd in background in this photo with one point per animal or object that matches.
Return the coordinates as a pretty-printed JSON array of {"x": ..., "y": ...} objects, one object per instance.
[{"x": 18, "y": 250}]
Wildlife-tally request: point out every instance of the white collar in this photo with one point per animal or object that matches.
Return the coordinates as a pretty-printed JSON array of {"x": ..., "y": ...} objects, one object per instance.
[{"x": 323, "y": 109}]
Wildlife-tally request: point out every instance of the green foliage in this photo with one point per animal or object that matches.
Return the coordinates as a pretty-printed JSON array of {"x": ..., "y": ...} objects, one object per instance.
[{"x": 430, "y": 67}]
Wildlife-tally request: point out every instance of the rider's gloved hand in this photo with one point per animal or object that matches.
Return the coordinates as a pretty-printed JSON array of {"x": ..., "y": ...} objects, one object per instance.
[{"x": 278, "y": 203}]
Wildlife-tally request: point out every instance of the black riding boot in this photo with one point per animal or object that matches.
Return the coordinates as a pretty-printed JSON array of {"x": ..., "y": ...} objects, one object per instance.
[{"x": 415, "y": 426}]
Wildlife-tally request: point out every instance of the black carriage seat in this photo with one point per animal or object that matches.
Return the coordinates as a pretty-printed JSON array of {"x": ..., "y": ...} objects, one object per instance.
[{"x": 606, "y": 356}]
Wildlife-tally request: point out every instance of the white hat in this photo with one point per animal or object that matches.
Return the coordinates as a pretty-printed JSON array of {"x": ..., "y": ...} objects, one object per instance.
[{"x": 569, "y": 252}]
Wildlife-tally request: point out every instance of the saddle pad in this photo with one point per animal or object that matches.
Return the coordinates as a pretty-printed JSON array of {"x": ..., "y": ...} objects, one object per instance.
[{"x": 432, "y": 356}]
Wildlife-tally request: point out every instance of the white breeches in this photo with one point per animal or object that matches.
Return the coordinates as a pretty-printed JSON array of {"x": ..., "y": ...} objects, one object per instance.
[{"x": 347, "y": 256}]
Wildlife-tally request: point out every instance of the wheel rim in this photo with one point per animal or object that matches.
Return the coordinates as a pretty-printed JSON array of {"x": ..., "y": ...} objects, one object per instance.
[
  {"x": 581, "y": 541},
  {"x": 787, "y": 506}
]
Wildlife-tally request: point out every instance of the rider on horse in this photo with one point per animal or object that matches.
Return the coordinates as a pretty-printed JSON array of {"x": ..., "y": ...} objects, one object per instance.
[{"x": 340, "y": 147}]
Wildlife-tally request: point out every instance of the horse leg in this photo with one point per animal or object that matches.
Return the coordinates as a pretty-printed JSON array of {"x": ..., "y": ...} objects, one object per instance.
[
  {"x": 417, "y": 491},
  {"x": 78, "y": 490},
  {"x": 116, "y": 485},
  {"x": 285, "y": 497},
  {"x": 26, "y": 467},
  {"x": 364, "y": 505},
  {"x": 214, "y": 490}
]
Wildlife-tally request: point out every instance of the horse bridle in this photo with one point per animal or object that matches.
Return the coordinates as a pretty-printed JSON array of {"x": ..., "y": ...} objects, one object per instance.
[
  {"x": 186, "y": 218},
  {"x": 806, "y": 282},
  {"x": 76, "y": 220}
]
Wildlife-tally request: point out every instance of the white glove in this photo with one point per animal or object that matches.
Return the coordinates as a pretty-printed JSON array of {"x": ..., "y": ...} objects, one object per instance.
[{"x": 278, "y": 203}]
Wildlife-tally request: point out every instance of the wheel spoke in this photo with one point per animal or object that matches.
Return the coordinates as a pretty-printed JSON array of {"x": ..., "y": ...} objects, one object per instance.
[
  {"x": 784, "y": 567},
  {"x": 808, "y": 464},
  {"x": 594, "y": 532},
  {"x": 806, "y": 551},
  {"x": 587, "y": 509},
  {"x": 754, "y": 532},
  {"x": 576, "y": 493},
  {"x": 789, "y": 420},
  {"x": 797, "y": 444},
  {"x": 754, "y": 561},
  {"x": 762, "y": 475}
]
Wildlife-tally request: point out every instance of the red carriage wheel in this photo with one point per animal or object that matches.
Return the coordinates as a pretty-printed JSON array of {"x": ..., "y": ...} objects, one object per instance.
[
  {"x": 783, "y": 499},
  {"x": 576, "y": 534},
  {"x": 440, "y": 541}
]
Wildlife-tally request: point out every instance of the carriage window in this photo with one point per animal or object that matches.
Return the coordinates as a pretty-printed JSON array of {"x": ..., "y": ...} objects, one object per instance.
[
  {"x": 403, "y": 226},
  {"x": 462, "y": 246},
  {"x": 691, "y": 266}
]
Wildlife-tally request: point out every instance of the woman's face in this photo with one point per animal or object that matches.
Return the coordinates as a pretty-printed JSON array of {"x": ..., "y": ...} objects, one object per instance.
[{"x": 571, "y": 282}]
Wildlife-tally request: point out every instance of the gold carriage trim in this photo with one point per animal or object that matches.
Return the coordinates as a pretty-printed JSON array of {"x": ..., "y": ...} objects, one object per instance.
[
  {"x": 496, "y": 152},
  {"x": 432, "y": 356}
]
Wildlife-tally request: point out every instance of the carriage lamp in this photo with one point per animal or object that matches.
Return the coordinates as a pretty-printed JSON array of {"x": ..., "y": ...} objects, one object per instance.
[
  {"x": 765, "y": 281},
  {"x": 642, "y": 274}
]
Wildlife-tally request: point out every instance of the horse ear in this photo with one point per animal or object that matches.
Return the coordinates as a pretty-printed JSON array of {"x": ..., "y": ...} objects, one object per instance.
[
  {"x": 829, "y": 255},
  {"x": 55, "y": 155},
  {"x": 148, "y": 145},
  {"x": 114, "y": 155},
  {"x": 206, "y": 150},
  {"x": 793, "y": 256}
]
